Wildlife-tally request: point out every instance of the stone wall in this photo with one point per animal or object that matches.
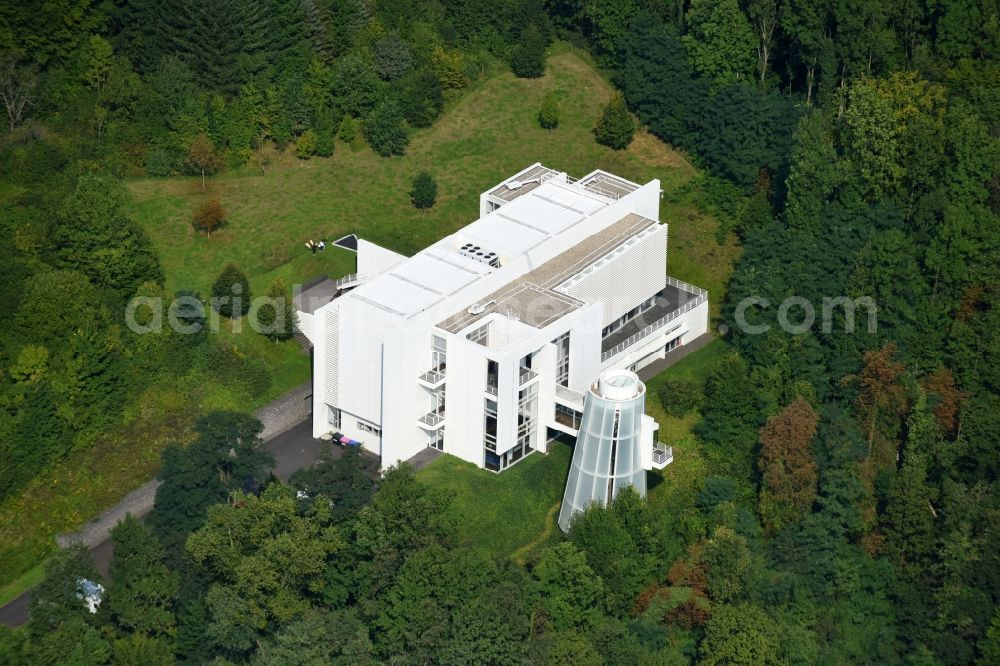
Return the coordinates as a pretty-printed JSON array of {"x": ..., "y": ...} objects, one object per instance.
[
  {"x": 277, "y": 417},
  {"x": 285, "y": 412}
]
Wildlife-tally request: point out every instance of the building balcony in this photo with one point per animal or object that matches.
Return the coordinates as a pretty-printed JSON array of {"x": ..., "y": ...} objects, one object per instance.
[
  {"x": 491, "y": 389},
  {"x": 663, "y": 455},
  {"x": 676, "y": 299},
  {"x": 569, "y": 397},
  {"x": 432, "y": 378},
  {"x": 432, "y": 420},
  {"x": 527, "y": 374}
]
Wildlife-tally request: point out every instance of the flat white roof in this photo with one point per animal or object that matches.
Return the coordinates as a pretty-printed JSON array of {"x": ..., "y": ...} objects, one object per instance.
[{"x": 545, "y": 214}]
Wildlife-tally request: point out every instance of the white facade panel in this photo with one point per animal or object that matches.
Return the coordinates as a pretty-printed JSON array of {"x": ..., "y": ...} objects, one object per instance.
[
  {"x": 466, "y": 396},
  {"x": 627, "y": 277}
]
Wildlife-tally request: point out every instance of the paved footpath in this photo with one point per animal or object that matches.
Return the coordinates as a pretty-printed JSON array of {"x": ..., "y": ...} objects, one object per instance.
[{"x": 293, "y": 449}]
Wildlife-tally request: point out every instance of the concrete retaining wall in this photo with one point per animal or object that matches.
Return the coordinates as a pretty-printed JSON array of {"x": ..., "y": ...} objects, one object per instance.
[
  {"x": 277, "y": 417},
  {"x": 288, "y": 410}
]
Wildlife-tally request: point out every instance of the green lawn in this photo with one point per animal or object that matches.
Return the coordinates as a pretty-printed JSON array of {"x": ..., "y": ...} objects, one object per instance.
[
  {"x": 26, "y": 581},
  {"x": 695, "y": 367},
  {"x": 488, "y": 134},
  {"x": 502, "y": 513},
  {"x": 684, "y": 474}
]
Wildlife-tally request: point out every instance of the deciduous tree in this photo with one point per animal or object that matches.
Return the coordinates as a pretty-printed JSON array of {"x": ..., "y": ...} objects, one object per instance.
[
  {"x": 739, "y": 635},
  {"x": 720, "y": 40},
  {"x": 356, "y": 86},
  {"x": 57, "y": 600},
  {"x": 202, "y": 156},
  {"x": 226, "y": 455},
  {"x": 208, "y": 215},
  {"x": 571, "y": 593},
  {"x": 348, "y": 481},
  {"x": 729, "y": 566},
  {"x": 143, "y": 589},
  {"x": 789, "y": 475},
  {"x": 449, "y": 68},
  {"x": 421, "y": 97},
  {"x": 679, "y": 396},
  {"x": 763, "y": 16},
  {"x": 267, "y": 551},
  {"x": 386, "y": 130},
  {"x": 56, "y": 303}
]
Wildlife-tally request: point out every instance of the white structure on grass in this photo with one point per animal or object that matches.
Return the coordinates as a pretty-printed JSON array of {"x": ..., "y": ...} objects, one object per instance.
[
  {"x": 614, "y": 432},
  {"x": 482, "y": 344}
]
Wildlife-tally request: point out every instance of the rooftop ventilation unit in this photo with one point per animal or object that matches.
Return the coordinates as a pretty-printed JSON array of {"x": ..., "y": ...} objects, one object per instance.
[
  {"x": 480, "y": 308},
  {"x": 518, "y": 184},
  {"x": 483, "y": 256}
]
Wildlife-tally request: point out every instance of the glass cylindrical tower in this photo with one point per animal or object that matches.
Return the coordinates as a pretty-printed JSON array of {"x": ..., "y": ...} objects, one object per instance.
[{"x": 607, "y": 456}]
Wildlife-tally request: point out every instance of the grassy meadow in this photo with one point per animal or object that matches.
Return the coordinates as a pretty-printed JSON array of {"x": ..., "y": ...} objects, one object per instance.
[{"x": 487, "y": 135}]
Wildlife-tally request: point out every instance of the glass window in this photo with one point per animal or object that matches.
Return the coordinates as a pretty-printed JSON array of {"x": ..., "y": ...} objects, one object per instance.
[
  {"x": 492, "y": 375},
  {"x": 491, "y": 461},
  {"x": 490, "y": 426},
  {"x": 562, "y": 359},
  {"x": 437, "y": 400},
  {"x": 438, "y": 352},
  {"x": 480, "y": 336},
  {"x": 567, "y": 417}
]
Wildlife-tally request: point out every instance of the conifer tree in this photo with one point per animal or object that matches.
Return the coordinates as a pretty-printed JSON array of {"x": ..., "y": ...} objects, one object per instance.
[
  {"x": 616, "y": 127},
  {"x": 231, "y": 292},
  {"x": 528, "y": 58},
  {"x": 548, "y": 116},
  {"x": 908, "y": 522},
  {"x": 211, "y": 43},
  {"x": 276, "y": 317},
  {"x": 424, "y": 192}
]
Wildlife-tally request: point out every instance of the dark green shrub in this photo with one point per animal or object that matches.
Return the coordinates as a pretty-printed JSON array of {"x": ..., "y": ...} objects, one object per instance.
[
  {"x": 679, "y": 396},
  {"x": 231, "y": 288},
  {"x": 424, "y": 192}
]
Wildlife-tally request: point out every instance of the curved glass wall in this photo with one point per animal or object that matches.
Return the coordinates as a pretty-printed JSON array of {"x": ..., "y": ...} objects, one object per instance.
[{"x": 607, "y": 456}]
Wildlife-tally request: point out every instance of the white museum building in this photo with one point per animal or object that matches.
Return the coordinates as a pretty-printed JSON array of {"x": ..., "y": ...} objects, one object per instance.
[{"x": 484, "y": 344}]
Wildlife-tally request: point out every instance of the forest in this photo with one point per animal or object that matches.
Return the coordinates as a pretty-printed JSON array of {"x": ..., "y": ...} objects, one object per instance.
[{"x": 848, "y": 508}]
